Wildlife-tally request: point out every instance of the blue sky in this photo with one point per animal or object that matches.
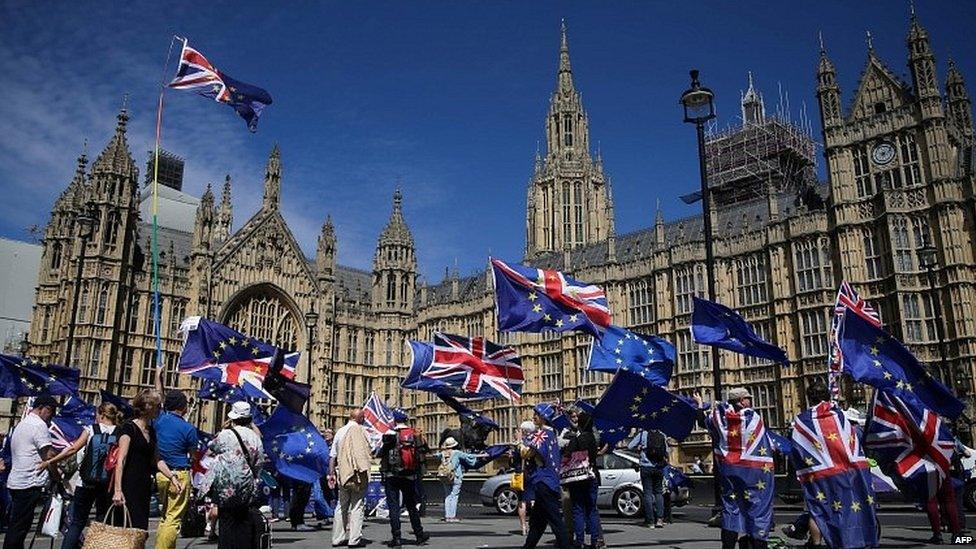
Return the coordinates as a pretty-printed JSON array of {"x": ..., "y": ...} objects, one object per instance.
[{"x": 448, "y": 98}]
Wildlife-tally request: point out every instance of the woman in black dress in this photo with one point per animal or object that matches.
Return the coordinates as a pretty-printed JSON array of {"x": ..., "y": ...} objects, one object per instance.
[{"x": 138, "y": 460}]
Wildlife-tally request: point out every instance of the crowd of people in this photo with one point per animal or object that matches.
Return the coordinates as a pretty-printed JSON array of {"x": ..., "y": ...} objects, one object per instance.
[{"x": 555, "y": 473}]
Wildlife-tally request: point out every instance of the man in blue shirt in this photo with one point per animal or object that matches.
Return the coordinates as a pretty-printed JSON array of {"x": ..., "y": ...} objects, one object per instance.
[
  {"x": 653, "y": 449},
  {"x": 540, "y": 451},
  {"x": 176, "y": 440}
]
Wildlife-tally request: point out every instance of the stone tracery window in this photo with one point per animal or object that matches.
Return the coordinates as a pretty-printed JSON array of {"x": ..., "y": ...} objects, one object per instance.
[{"x": 263, "y": 314}]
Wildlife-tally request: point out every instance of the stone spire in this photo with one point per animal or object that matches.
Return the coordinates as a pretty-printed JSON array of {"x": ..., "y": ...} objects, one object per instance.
[
  {"x": 272, "y": 180},
  {"x": 659, "y": 225},
  {"x": 828, "y": 92},
  {"x": 753, "y": 108},
  {"x": 225, "y": 215},
  {"x": 395, "y": 264},
  {"x": 203, "y": 226},
  {"x": 325, "y": 255},
  {"x": 921, "y": 63},
  {"x": 396, "y": 231},
  {"x": 565, "y": 69},
  {"x": 960, "y": 107},
  {"x": 116, "y": 157}
]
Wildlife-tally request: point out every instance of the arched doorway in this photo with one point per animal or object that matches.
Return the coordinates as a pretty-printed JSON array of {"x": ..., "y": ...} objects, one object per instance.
[{"x": 266, "y": 312}]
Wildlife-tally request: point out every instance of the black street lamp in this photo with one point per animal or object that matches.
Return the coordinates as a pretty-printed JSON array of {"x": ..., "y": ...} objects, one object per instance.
[
  {"x": 928, "y": 260},
  {"x": 86, "y": 223},
  {"x": 311, "y": 321},
  {"x": 699, "y": 108}
]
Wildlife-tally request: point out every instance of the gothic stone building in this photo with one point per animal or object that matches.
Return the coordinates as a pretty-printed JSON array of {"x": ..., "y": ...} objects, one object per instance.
[{"x": 900, "y": 175}]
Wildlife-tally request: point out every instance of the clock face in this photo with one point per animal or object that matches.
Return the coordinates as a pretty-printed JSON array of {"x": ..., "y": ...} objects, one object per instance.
[{"x": 883, "y": 153}]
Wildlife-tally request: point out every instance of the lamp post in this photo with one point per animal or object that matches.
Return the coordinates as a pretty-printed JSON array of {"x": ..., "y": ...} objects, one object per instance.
[
  {"x": 311, "y": 321},
  {"x": 699, "y": 107},
  {"x": 86, "y": 223}
]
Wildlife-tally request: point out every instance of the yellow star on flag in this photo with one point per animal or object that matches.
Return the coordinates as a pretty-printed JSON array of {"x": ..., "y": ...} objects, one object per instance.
[
  {"x": 536, "y": 308},
  {"x": 808, "y": 461},
  {"x": 887, "y": 374},
  {"x": 559, "y": 323},
  {"x": 547, "y": 317},
  {"x": 874, "y": 350},
  {"x": 832, "y": 436},
  {"x": 837, "y": 505},
  {"x": 870, "y": 500},
  {"x": 533, "y": 296},
  {"x": 572, "y": 318},
  {"x": 821, "y": 496},
  {"x": 762, "y": 451},
  {"x": 855, "y": 506},
  {"x": 761, "y": 485}
]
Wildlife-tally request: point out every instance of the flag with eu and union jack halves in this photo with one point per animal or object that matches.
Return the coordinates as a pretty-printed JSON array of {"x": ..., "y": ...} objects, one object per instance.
[
  {"x": 744, "y": 457},
  {"x": 196, "y": 73},
  {"x": 220, "y": 353},
  {"x": 538, "y": 300},
  {"x": 72, "y": 418},
  {"x": 912, "y": 443},
  {"x": 377, "y": 418},
  {"x": 835, "y": 476},
  {"x": 847, "y": 299},
  {"x": 465, "y": 367}
]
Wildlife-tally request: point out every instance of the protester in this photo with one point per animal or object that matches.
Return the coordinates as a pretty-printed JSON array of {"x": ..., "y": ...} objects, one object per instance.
[
  {"x": 540, "y": 451},
  {"x": 744, "y": 466},
  {"x": 652, "y": 446},
  {"x": 400, "y": 465},
  {"x": 327, "y": 489},
  {"x": 944, "y": 500},
  {"x": 451, "y": 474},
  {"x": 839, "y": 499},
  {"x": 232, "y": 479},
  {"x": 96, "y": 439},
  {"x": 4, "y": 474},
  {"x": 349, "y": 461},
  {"x": 301, "y": 493},
  {"x": 30, "y": 445},
  {"x": 177, "y": 441},
  {"x": 138, "y": 457},
  {"x": 584, "y": 485},
  {"x": 423, "y": 449}
]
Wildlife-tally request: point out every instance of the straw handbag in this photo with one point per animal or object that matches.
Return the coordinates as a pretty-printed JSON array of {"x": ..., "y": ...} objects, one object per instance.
[{"x": 102, "y": 535}]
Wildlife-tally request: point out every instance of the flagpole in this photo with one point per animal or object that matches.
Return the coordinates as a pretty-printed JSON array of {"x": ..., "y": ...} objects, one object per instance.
[{"x": 154, "y": 245}]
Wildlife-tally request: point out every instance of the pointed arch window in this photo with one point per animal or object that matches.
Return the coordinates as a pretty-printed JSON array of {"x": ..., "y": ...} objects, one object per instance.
[
  {"x": 567, "y": 214},
  {"x": 872, "y": 255},
  {"x": 263, "y": 314},
  {"x": 111, "y": 229},
  {"x": 102, "y": 308},
  {"x": 390, "y": 290},
  {"x": 46, "y": 325},
  {"x": 641, "y": 303},
  {"x": 911, "y": 171},
  {"x": 55, "y": 255},
  {"x": 389, "y": 348},
  {"x": 578, "y": 210},
  {"x": 95, "y": 358},
  {"x": 902, "y": 245},
  {"x": 568, "y": 130},
  {"x": 83, "y": 302},
  {"x": 862, "y": 172}
]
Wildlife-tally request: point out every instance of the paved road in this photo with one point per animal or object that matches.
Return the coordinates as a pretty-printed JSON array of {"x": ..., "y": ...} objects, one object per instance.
[{"x": 483, "y": 528}]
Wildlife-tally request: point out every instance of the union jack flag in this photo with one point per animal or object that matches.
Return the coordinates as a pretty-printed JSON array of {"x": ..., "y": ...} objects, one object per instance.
[
  {"x": 825, "y": 443},
  {"x": 835, "y": 476},
  {"x": 377, "y": 418},
  {"x": 912, "y": 439},
  {"x": 536, "y": 300},
  {"x": 847, "y": 298},
  {"x": 739, "y": 437},
  {"x": 465, "y": 367}
]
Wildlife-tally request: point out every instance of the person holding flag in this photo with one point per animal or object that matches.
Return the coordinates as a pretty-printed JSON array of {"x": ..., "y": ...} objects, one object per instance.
[
  {"x": 400, "y": 464},
  {"x": 540, "y": 452},
  {"x": 744, "y": 463},
  {"x": 30, "y": 445}
]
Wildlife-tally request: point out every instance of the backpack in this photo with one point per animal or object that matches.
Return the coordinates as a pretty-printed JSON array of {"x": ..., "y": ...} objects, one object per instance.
[
  {"x": 403, "y": 457},
  {"x": 656, "y": 449},
  {"x": 100, "y": 445},
  {"x": 445, "y": 471}
]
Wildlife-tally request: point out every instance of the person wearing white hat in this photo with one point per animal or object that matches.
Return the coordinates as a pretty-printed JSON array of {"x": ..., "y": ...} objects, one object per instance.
[
  {"x": 232, "y": 479},
  {"x": 451, "y": 474}
]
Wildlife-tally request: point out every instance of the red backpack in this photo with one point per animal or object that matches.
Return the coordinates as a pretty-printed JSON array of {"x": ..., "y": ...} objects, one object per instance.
[{"x": 406, "y": 451}]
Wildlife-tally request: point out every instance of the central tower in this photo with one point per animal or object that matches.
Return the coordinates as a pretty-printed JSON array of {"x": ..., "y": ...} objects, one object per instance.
[{"x": 569, "y": 201}]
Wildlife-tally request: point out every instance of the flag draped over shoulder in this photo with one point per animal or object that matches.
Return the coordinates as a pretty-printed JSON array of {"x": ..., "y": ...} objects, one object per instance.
[
  {"x": 649, "y": 356},
  {"x": 217, "y": 352},
  {"x": 29, "y": 377},
  {"x": 72, "y": 418},
  {"x": 294, "y": 446},
  {"x": 198, "y": 74},
  {"x": 716, "y": 324},
  {"x": 465, "y": 367},
  {"x": 835, "y": 476},
  {"x": 538, "y": 300},
  {"x": 912, "y": 443},
  {"x": 744, "y": 459},
  {"x": 872, "y": 356},
  {"x": 631, "y": 401}
]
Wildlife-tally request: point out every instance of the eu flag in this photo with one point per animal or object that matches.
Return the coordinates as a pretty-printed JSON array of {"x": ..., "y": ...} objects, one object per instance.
[
  {"x": 541, "y": 300},
  {"x": 468, "y": 413},
  {"x": 872, "y": 356},
  {"x": 29, "y": 377},
  {"x": 632, "y": 401},
  {"x": 648, "y": 356},
  {"x": 121, "y": 403},
  {"x": 715, "y": 324},
  {"x": 675, "y": 478},
  {"x": 494, "y": 452},
  {"x": 294, "y": 446},
  {"x": 212, "y": 389}
]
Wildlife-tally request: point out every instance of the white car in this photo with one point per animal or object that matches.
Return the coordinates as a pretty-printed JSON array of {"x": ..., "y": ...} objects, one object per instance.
[{"x": 620, "y": 487}]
